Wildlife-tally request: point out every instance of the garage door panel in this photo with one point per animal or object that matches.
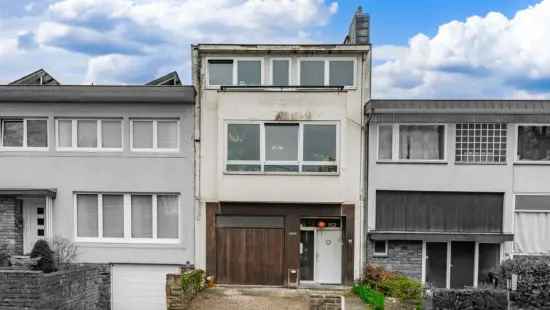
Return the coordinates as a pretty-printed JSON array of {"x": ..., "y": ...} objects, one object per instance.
[{"x": 138, "y": 287}]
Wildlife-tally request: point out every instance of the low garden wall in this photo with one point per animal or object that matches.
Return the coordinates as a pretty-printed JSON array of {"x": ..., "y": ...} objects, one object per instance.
[{"x": 80, "y": 287}]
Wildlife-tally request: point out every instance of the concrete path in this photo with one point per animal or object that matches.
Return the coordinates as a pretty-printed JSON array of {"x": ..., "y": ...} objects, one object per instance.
[{"x": 233, "y": 298}]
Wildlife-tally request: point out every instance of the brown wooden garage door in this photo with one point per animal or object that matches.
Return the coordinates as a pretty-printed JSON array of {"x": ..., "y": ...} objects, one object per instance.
[{"x": 250, "y": 250}]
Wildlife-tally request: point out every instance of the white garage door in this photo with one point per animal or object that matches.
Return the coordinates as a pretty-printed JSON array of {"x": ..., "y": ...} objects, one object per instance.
[{"x": 139, "y": 287}]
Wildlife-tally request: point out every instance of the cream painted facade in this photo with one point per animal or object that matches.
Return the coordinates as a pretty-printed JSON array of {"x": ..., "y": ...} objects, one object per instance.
[{"x": 344, "y": 107}]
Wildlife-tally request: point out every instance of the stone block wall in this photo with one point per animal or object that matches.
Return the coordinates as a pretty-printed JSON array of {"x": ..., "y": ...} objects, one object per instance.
[
  {"x": 403, "y": 256},
  {"x": 176, "y": 297},
  {"x": 325, "y": 302},
  {"x": 83, "y": 287},
  {"x": 11, "y": 227}
]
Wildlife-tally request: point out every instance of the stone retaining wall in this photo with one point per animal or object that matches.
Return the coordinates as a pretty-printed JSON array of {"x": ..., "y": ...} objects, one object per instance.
[
  {"x": 82, "y": 287},
  {"x": 403, "y": 256},
  {"x": 325, "y": 302}
]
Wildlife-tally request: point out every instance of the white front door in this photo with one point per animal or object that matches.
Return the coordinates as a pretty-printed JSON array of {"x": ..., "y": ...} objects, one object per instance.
[
  {"x": 329, "y": 256},
  {"x": 34, "y": 222}
]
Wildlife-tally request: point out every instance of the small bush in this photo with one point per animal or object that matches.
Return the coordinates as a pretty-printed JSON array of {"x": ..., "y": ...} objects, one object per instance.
[
  {"x": 193, "y": 281},
  {"x": 469, "y": 299},
  {"x": 46, "y": 263},
  {"x": 405, "y": 289},
  {"x": 369, "y": 296},
  {"x": 533, "y": 290}
]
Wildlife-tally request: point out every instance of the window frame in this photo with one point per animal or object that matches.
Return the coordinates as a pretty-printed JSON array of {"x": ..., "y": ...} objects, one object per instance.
[
  {"x": 271, "y": 66},
  {"x": 506, "y": 130},
  {"x": 516, "y": 148},
  {"x": 235, "y": 71},
  {"x": 395, "y": 144},
  {"x": 300, "y": 162},
  {"x": 99, "y": 133},
  {"x": 127, "y": 219},
  {"x": 24, "y": 146},
  {"x": 380, "y": 254},
  {"x": 155, "y": 148},
  {"x": 327, "y": 61}
]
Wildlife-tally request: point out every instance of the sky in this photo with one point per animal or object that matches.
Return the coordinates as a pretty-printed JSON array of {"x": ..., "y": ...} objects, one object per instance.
[{"x": 421, "y": 48}]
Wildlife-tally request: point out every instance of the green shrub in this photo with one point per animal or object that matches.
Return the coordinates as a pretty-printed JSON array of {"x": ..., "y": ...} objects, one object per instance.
[
  {"x": 46, "y": 263},
  {"x": 369, "y": 296},
  {"x": 407, "y": 290},
  {"x": 193, "y": 281},
  {"x": 469, "y": 299},
  {"x": 533, "y": 290}
]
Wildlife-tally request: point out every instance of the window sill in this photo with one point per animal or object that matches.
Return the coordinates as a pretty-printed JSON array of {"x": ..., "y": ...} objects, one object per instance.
[
  {"x": 380, "y": 255},
  {"x": 479, "y": 164},
  {"x": 128, "y": 241},
  {"x": 532, "y": 163},
  {"x": 291, "y": 88},
  {"x": 332, "y": 174},
  {"x": 413, "y": 162},
  {"x": 23, "y": 149}
]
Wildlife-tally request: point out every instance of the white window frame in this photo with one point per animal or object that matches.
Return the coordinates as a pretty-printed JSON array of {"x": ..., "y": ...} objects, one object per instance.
[
  {"x": 271, "y": 66},
  {"x": 395, "y": 144},
  {"x": 462, "y": 162},
  {"x": 380, "y": 254},
  {"x": 74, "y": 135},
  {"x": 155, "y": 148},
  {"x": 516, "y": 149},
  {"x": 235, "y": 79},
  {"x": 24, "y": 146},
  {"x": 300, "y": 162},
  {"x": 327, "y": 61},
  {"x": 127, "y": 219}
]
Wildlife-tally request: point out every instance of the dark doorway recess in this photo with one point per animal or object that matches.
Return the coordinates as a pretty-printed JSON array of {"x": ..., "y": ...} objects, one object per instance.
[
  {"x": 436, "y": 264},
  {"x": 462, "y": 264}
]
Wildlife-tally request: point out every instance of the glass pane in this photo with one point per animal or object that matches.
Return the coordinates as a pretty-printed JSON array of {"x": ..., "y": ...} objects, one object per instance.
[
  {"x": 319, "y": 142},
  {"x": 142, "y": 216},
  {"x": 421, "y": 142},
  {"x": 220, "y": 72},
  {"x": 65, "y": 133},
  {"x": 312, "y": 73},
  {"x": 167, "y": 216},
  {"x": 307, "y": 255},
  {"x": 37, "y": 133},
  {"x": 13, "y": 133},
  {"x": 280, "y": 72},
  {"x": 113, "y": 216},
  {"x": 534, "y": 143},
  {"x": 489, "y": 259},
  {"x": 243, "y": 142},
  {"x": 281, "y": 142},
  {"x": 86, "y": 214},
  {"x": 281, "y": 168},
  {"x": 320, "y": 168},
  {"x": 167, "y": 134},
  {"x": 385, "y": 141},
  {"x": 341, "y": 72},
  {"x": 87, "y": 133},
  {"x": 111, "y": 134},
  {"x": 249, "y": 72},
  {"x": 143, "y": 134},
  {"x": 236, "y": 168},
  {"x": 380, "y": 246}
]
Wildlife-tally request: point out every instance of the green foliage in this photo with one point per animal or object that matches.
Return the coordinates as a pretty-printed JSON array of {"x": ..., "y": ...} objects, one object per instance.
[
  {"x": 46, "y": 263},
  {"x": 469, "y": 299},
  {"x": 193, "y": 281},
  {"x": 533, "y": 290},
  {"x": 407, "y": 290},
  {"x": 369, "y": 296}
]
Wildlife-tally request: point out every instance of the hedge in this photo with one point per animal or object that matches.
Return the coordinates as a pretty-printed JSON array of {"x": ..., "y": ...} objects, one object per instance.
[
  {"x": 533, "y": 290},
  {"x": 469, "y": 299},
  {"x": 369, "y": 296}
]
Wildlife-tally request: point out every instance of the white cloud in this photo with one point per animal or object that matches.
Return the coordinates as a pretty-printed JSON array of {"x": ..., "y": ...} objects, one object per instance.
[{"x": 490, "y": 56}]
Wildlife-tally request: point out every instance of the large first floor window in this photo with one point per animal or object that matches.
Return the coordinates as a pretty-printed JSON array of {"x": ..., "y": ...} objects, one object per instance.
[
  {"x": 533, "y": 143},
  {"x": 532, "y": 224},
  {"x": 418, "y": 142},
  {"x": 89, "y": 134},
  {"x": 24, "y": 133},
  {"x": 155, "y": 135},
  {"x": 282, "y": 147},
  {"x": 127, "y": 217},
  {"x": 480, "y": 143}
]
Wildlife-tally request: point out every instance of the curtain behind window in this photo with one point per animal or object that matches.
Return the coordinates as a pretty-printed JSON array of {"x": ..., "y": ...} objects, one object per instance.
[
  {"x": 532, "y": 233},
  {"x": 421, "y": 142},
  {"x": 142, "y": 216},
  {"x": 86, "y": 215}
]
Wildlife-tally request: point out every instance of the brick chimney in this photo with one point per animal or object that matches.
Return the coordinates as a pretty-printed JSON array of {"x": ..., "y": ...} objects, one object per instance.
[{"x": 359, "y": 29}]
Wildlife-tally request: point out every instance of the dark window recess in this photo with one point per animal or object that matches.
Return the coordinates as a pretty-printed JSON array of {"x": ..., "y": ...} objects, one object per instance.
[
  {"x": 307, "y": 242},
  {"x": 40, "y": 210},
  {"x": 439, "y": 211},
  {"x": 489, "y": 259},
  {"x": 40, "y": 221},
  {"x": 40, "y": 233},
  {"x": 315, "y": 222},
  {"x": 380, "y": 247}
]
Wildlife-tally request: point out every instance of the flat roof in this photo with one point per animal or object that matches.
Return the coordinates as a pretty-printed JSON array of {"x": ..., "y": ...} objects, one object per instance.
[
  {"x": 282, "y": 48},
  {"x": 450, "y": 106},
  {"x": 97, "y": 94}
]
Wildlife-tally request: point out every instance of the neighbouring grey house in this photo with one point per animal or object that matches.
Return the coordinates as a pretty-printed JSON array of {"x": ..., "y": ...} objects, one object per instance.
[
  {"x": 456, "y": 186},
  {"x": 107, "y": 167}
]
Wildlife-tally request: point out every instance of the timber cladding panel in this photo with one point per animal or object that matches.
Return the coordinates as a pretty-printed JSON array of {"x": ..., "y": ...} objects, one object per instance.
[{"x": 439, "y": 211}]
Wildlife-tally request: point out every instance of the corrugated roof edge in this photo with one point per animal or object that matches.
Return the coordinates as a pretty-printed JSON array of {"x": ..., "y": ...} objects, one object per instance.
[
  {"x": 212, "y": 47},
  {"x": 98, "y": 94},
  {"x": 503, "y": 106}
]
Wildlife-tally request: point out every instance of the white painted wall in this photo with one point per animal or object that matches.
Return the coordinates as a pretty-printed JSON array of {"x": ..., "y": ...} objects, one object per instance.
[
  {"x": 511, "y": 178},
  {"x": 107, "y": 172},
  {"x": 344, "y": 107}
]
